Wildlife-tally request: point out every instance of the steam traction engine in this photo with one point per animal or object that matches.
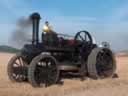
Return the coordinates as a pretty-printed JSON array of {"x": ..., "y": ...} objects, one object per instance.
[{"x": 43, "y": 63}]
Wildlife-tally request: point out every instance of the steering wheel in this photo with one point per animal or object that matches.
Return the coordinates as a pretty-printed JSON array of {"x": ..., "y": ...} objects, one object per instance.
[{"x": 83, "y": 37}]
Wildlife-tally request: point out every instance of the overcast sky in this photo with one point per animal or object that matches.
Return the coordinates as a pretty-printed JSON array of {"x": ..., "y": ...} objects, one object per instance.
[{"x": 106, "y": 20}]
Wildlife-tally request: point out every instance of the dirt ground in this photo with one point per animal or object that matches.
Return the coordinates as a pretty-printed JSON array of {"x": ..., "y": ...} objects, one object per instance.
[{"x": 74, "y": 87}]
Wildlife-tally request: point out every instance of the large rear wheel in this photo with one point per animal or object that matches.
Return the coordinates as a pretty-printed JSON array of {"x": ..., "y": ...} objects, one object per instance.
[
  {"x": 101, "y": 63},
  {"x": 43, "y": 71}
]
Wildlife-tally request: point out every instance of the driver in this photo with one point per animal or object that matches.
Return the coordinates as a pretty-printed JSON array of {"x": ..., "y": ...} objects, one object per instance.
[
  {"x": 46, "y": 27},
  {"x": 49, "y": 37}
]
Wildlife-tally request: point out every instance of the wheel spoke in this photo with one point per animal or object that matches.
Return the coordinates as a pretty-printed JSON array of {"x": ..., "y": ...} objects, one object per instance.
[
  {"x": 85, "y": 36},
  {"x": 81, "y": 37},
  {"x": 20, "y": 62}
]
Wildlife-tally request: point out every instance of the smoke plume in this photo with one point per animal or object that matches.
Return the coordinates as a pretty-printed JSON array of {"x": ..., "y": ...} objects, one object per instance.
[{"x": 21, "y": 34}]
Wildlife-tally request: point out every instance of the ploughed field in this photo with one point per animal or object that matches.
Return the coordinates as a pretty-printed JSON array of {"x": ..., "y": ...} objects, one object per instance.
[{"x": 71, "y": 87}]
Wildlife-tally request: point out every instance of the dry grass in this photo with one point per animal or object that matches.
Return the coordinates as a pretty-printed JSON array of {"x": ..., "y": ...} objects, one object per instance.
[{"x": 75, "y": 87}]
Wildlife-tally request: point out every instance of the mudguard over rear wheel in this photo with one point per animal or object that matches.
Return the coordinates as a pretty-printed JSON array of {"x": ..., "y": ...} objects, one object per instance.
[
  {"x": 43, "y": 71},
  {"x": 101, "y": 63}
]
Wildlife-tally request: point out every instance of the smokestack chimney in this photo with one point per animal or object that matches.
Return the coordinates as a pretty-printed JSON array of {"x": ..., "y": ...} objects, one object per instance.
[{"x": 35, "y": 17}]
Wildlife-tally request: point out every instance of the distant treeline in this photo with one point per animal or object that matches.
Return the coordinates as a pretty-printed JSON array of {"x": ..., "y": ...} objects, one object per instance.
[{"x": 8, "y": 49}]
